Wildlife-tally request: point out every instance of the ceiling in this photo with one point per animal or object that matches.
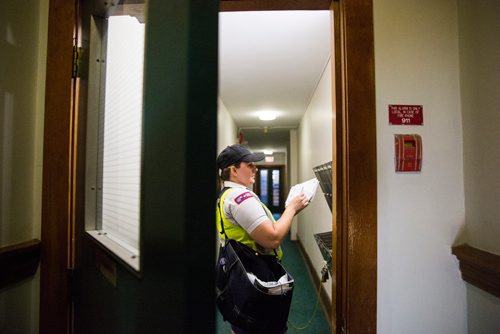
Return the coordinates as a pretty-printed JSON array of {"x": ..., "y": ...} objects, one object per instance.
[{"x": 271, "y": 60}]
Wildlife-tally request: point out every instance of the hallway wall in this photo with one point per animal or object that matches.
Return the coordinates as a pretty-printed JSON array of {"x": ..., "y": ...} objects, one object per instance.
[
  {"x": 421, "y": 215},
  {"x": 479, "y": 28},
  {"x": 315, "y": 148},
  {"x": 22, "y": 93},
  {"x": 226, "y": 128}
]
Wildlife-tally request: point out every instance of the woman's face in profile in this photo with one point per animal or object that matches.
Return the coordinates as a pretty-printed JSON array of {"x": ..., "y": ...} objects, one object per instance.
[{"x": 245, "y": 174}]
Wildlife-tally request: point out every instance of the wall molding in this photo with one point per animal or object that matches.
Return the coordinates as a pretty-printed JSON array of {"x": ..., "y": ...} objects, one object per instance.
[
  {"x": 325, "y": 299},
  {"x": 19, "y": 261},
  {"x": 479, "y": 268}
]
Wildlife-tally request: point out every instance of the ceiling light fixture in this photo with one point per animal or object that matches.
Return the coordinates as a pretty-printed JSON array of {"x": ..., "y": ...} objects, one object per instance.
[{"x": 267, "y": 116}]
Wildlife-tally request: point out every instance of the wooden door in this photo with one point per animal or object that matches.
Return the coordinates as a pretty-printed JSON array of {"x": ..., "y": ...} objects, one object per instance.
[{"x": 85, "y": 289}]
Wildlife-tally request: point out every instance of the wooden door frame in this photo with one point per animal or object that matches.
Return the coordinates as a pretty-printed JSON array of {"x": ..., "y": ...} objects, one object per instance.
[
  {"x": 354, "y": 219},
  {"x": 58, "y": 171},
  {"x": 354, "y": 150}
]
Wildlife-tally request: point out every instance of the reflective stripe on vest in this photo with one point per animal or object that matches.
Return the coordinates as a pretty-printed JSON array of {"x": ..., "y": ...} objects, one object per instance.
[{"x": 238, "y": 233}]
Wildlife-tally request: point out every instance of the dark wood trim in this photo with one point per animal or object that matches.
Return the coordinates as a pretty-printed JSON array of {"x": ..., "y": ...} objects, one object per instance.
[
  {"x": 479, "y": 268},
  {"x": 325, "y": 299},
  {"x": 19, "y": 261},
  {"x": 258, "y": 5},
  {"x": 338, "y": 235},
  {"x": 356, "y": 174},
  {"x": 57, "y": 170}
]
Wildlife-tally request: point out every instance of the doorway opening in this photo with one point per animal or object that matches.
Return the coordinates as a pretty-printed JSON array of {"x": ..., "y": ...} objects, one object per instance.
[
  {"x": 269, "y": 183},
  {"x": 279, "y": 62}
]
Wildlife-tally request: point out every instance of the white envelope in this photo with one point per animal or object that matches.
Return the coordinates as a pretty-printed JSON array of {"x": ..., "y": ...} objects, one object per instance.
[{"x": 308, "y": 188}]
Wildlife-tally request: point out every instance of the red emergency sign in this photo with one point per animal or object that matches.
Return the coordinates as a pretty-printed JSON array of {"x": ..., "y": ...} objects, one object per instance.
[{"x": 406, "y": 114}]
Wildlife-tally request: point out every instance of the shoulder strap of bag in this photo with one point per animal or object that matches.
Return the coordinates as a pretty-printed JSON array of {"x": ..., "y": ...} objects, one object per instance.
[{"x": 222, "y": 231}]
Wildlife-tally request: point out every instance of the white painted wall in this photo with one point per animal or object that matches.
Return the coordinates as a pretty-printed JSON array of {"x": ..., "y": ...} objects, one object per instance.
[
  {"x": 479, "y": 31},
  {"x": 22, "y": 93},
  {"x": 315, "y": 148},
  {"x": 420, "y": 216},
  {"x": 226, "y": 128},
  {"x": 294, "y": 173}
]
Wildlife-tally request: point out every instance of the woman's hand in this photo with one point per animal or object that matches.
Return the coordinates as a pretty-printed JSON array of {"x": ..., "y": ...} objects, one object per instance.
[{"x": 298, "y": 203}]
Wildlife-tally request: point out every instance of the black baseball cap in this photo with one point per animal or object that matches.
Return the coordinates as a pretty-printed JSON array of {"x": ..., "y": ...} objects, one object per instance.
[{"x": 237, "y": 153}]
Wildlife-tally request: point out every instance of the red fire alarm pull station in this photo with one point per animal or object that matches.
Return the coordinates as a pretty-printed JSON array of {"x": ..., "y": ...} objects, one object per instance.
[{"x": 408, "y": 153}]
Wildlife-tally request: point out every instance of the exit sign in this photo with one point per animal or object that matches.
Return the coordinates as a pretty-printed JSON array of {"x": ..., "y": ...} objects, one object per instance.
[{"x": 400, "y": 114}]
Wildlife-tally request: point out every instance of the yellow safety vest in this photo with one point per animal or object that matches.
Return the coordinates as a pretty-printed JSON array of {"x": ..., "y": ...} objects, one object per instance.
[{"x": 238, "y": 233}]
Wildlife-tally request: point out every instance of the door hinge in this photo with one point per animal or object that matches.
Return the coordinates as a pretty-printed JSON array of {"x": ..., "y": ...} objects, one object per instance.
[{"x": 77, "y": 53}]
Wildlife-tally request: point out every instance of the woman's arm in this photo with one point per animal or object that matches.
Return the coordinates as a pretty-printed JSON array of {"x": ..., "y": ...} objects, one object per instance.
[{"x": 271, "y": 235}]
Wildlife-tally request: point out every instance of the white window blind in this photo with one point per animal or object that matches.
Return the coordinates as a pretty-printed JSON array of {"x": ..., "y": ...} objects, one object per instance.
[{"x": 122, "y": 132}]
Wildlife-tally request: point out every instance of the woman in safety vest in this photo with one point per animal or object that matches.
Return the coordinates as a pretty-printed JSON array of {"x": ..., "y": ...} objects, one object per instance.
[{"x": 245, "y": 218}]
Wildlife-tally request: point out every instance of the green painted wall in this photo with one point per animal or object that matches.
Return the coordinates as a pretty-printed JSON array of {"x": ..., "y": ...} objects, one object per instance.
[{"x": 23, "y": 48}]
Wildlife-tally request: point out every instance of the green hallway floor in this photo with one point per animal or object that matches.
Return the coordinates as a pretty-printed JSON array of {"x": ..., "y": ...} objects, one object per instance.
[{"x": 304, "y": 297}]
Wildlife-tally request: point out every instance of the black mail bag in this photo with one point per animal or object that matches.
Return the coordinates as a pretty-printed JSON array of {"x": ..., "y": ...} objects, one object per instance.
[{"x": 249, "y": 305}]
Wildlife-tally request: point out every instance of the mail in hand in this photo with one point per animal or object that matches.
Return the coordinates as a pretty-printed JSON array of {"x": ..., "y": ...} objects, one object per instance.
[{"x": 308, "y": 188}]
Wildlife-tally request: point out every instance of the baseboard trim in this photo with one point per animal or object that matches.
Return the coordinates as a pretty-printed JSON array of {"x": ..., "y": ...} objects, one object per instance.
[{"x": 324, "y": 298}]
